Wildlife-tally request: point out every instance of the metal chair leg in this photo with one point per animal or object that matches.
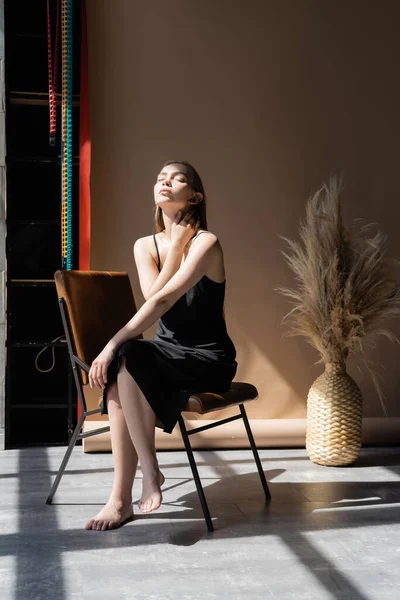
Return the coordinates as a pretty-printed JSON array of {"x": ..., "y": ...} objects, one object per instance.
[
  {"x": 195, "y": 472},
  {"x": 255, "y": 453},
  {"x": 66, "y": 459}
]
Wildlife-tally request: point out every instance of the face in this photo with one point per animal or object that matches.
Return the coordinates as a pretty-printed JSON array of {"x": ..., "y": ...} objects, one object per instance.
[{"x": 172, "y": 187}]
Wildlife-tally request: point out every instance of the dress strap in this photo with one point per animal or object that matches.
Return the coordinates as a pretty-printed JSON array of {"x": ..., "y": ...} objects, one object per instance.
[
  {"x": 158, "y": 254},
  {"x": 197, "y": 234}
]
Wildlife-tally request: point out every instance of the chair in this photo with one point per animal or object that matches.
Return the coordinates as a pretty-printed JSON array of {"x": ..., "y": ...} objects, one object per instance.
[{"x": 96, "y": 304}]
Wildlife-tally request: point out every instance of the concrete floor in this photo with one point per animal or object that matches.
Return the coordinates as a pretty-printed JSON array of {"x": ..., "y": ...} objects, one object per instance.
[{"x": 328, "y": 533}]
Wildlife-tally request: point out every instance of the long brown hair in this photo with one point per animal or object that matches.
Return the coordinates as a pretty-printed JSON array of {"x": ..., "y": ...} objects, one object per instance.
[{"x": 196, "y": 184}]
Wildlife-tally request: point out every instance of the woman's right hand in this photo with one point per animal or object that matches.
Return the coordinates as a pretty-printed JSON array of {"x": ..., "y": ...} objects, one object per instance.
[{"x": 183, "y": 229}]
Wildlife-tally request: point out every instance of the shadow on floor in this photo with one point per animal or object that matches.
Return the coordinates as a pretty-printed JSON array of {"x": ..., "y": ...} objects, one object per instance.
[{"x": 237, "y": 505}]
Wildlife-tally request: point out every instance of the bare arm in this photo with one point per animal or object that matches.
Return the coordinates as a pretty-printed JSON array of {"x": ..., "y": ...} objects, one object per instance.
[
  {"x": 193, "y": 269},
  {"x": 152, "y": 281}
]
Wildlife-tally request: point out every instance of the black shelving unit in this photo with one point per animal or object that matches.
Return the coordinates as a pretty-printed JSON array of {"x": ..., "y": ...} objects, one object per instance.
[{"x": 40, "y": 406}]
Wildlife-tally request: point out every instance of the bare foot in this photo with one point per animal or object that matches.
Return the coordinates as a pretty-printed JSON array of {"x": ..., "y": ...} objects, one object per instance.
[
  {"x": 114, "y": 514},
  {"x": 151, "y": 495}
]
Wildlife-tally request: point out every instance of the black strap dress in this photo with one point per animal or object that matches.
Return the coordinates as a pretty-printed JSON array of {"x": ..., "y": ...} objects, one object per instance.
[{"x": 191, "y": 352}]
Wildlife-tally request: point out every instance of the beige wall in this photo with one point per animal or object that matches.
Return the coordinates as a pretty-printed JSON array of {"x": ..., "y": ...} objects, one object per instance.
[{"x": 266, "y": 99}]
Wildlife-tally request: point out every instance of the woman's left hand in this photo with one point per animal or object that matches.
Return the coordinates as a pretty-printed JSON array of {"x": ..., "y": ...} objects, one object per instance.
[{"x": 98, "y": 370}]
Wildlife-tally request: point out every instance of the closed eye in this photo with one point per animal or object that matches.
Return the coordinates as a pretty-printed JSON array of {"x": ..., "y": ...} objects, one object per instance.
[{"x": 182, "y": 179}]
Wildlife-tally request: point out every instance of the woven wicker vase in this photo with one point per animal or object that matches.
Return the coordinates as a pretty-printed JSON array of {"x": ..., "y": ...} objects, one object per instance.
[{"x": 334, "y": 418}]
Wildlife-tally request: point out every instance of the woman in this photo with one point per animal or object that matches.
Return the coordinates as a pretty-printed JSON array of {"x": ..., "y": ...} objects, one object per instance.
[{"x": 146, "y": 383}]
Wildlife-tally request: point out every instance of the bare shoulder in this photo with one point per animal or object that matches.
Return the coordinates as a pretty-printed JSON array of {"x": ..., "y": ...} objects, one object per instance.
[
  {"x": 142, "y": 241},
  {"x": 144, "y": 247},
  {"x": 210, "y": 243},
  {"x": 207, "y": 237}
]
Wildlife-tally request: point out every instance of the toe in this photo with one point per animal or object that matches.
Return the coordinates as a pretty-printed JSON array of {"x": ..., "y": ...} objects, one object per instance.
[
  {"x": 89, "y": 524},
  {"x": 104, "y": 526}
]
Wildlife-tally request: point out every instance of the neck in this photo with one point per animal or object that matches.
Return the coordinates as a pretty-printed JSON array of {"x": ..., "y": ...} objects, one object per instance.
[
  {"x": 168, "y": 220},
  {"x": 168, "y": 225}
]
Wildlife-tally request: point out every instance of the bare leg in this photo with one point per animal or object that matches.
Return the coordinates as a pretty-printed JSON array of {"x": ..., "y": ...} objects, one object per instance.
[
  {"x": 119, "y": 505},
  {"x": 141, "y": 420}
]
